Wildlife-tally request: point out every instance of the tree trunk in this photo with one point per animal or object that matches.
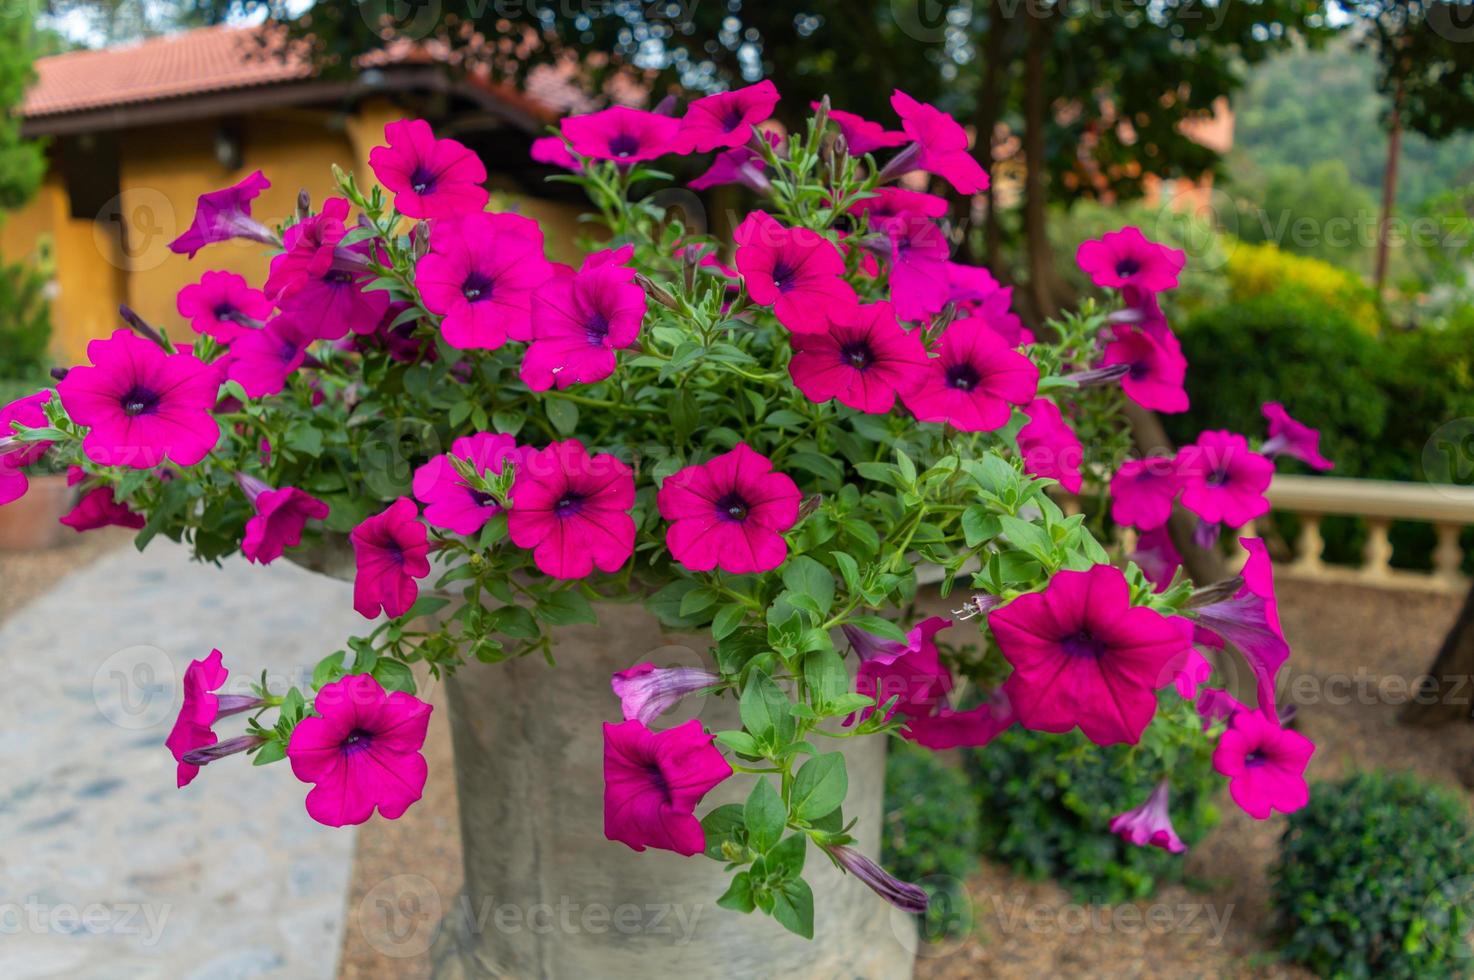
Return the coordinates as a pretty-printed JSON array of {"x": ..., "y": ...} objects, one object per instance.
[
  {"x": 986, "y": 115},
  {"x": 1389, "y": 185},
  {"x": 1036, "y": 177},
  {"x": 1444, "y": 694}
]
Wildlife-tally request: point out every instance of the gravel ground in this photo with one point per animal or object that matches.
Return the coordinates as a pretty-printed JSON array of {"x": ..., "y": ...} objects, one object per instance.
[{"x": 24, "y": 575}]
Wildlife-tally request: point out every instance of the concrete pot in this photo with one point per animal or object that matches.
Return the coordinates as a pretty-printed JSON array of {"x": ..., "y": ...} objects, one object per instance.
[
  {"x": 32, "y": 522},
  {"x": 548, "y": 896}
]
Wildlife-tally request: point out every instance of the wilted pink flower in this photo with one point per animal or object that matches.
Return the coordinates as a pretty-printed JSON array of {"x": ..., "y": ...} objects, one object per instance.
[
  {"x": 1265, "y": 764},
  {"x": 572, "y": 510},
  {"x": 361, "y": 750},
  {"x": 1150, "y": 823},
  {"x": 320, "y": 282},
  {"x": 1083, "y": 655},
  {"x": 1142, "y": 492},
  {"x": 796, "y": 271},
  {"x": 31, "y": 413},
  {"x": 280, "y": 517},
  {"x": 225, "y": 214},
  {"x": 579, "y": 321},
  {"x": 1223, "y": 482},
  {"x": 480, "y": 275},
  {"x": 861, "y": 136},
  {"x": 621, "y": 134},
  {"x": 1049, "y": 447},
  {"x": 199, "y": 709},
  {"x": 903, "y": 895},
  {"x": 939, "y": 147},
  {"x": 918, "y": 274},
  {"x": 1250, "y": 621},
  {"x": 450, "y": 502},
  {"x": 646, "y": 691},
  {"x": 1119, "y": 259},
  {"x": 261, "y": 360},
  {"x": 1215, "y": 705},
  {"x": 430, "y": 178},
  {"x": 391, "y": 549},
  {"x": 742, "y": 165},
  {"x": 1157, "y": 556},
  {"x": 863, "y": 358},
  {"x": 554, "y": 152},
  {"x": 726, "y": 119},
  {"x": 1156, "y": 369},
  {"x": 142, "y": 404},
  {"x": 653, "y": 781},
  {"x": 729, "y": 512},
  {"x": 975, "y": 382},
  {"x": 219, "y": 302},
  {"x": 1288, "y": 437}
]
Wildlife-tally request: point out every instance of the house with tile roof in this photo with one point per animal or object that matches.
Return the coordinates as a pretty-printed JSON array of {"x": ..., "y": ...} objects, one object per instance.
[{"x": 137, "y": 132}]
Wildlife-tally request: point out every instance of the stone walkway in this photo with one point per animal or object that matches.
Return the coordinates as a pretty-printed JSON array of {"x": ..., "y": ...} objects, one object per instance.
[{"x": 107, "y": 870}]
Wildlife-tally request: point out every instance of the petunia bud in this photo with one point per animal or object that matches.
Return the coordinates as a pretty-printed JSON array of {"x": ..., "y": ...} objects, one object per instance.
[
  {"x": 304, "y": 205},
  {"x": 1099, "y": 376},
  {"x": 657, "y": 293},
  {"x": 903, "y": 895},
  {"x": 142, "y": 327},
  {"x": 231, "y": 746},
  {"x": 646, "y": 692}
]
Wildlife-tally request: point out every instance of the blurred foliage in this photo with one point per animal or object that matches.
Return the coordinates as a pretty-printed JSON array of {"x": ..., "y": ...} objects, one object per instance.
[
  {"x": 1318, "y": 211},
  {"x": 25, "y": 322},
  {"x": 930, "y": 836},
  {"x": 22, "y": 162},
  {"x": 1257, "y": 270},
  {"x": 1375, "y": 878}
]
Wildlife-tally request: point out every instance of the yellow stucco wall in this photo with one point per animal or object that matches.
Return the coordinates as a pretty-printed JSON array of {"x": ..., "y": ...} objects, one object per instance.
[{"x": 162, "y": 171}]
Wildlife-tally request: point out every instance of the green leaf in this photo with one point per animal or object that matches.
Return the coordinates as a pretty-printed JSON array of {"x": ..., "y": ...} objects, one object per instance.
[
  {"x": 808, "y": 577},
  {"x": 764, "y": 711},
  {"x": 665, "y": 603},
  {"x": 883, "y": 628},
  {"x": 329, "y": 669},
  {"x": 565, "y": 607},
  {"x": 269, "y": 752},
  {"x": 793, "y": 907},
  {"x": 739, "y": 741},
  {"x": 819, "y": 787},
  {"x": 513, "y": 621},
  {"x": 394, "y": 676},
  {"x": 787, "y": 859},
  {"x": 698, "y": 600},
  {"x": 738, "y": 896},
  {"x": 426, "y": 606},
  {"x": 764, "y": 815},
  {"x": 826, "y": 677},
  {"x": 563, "y": 414},
  {"x": 727, "y": 619},
  {"x": 722, "y": 826}
]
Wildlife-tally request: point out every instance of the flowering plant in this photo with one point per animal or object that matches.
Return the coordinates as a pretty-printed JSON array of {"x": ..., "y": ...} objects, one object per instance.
[{"x": 766, "y": 439}]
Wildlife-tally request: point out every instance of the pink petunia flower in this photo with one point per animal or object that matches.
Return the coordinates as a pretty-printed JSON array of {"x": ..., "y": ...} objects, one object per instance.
[
  {"x": 863, "y": 358},
  {"x": 975, "y": 382},
  {"x": 1214, "y": 706},
  {"x": 917, "y": 265},
  {"x": 322, "y": 283},
  {"x": 225, "y": 214},
  {"x": 729, "y": 513},
  {"x": 726, "y": 119},
  {"x": 30, "y": 412},
  {"x": 1249, "y": 619},
  {"x": 653, "y": 782},
  {"x": 1083, "y": 655},
  {"x": 280, "y": 518},
  {"x": 994, "y": 308},
  {"x": 554, "y": 152},
  {"x": 742, "y": 165},
  {"x": 1142, "y": 492},
  {"x": 1049, "y": 447},
  {"x": 199, "y": 709},
  {"x": 1127, "y": 258},
  {"x": 1150, "y": 824},
  {"x": 621, "y": 134},
  {"x": 452, "y": 504},
  {"x": 262, "y": 360},
  {"x": 796, "y": 271},
  {"x": 1157, "y": 556},
  {"x": 1190, "y": 670},
  {"x": 391, "y": 550},
  {"x": 890, "y": 203},
  {"x": 480, "y": 275},
  {"x": 1223, "y": 482},
  {"x": 1288, "y": 437},
  {"x": 1142, "y": 311},
  {"x": 97, "y": 508},
  {"x": 430, "y": 178},
  {"x": 572, "y": 510},
  {"x": 1155, "y": 372},
  {"x": 222, "y": 305},
  {"x": 1265, "y": 764},
  {"x": 361, "y": 750},
  {"x": 861, "y": 136},
  {"x": 939, "y": 147},
  {"x": 579, "y": 321},
  {"x": 142, "y": 404},
  {"x": 646, "y": 691}
]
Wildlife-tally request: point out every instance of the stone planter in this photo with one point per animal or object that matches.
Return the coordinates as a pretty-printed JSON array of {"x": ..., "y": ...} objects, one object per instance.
[
  {"x": 32, "y": 522},
  {"x": 529, "y": 770}
]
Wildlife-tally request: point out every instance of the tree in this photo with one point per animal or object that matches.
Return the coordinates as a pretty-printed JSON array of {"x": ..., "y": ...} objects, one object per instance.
[{"x": 22, "y": 162}]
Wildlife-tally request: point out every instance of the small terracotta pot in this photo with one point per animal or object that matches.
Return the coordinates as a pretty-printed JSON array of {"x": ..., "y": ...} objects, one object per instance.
[{"x": 31, "y": 523}]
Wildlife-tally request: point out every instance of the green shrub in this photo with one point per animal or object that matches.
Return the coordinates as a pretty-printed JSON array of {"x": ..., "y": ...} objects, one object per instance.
[
  {"x": 1373, "y": 880},
  {"x": 1260, "y": 270},
  {"x": 930, "y": 835},
  {"x": 25, "y": 322},
  {"x": 1046, "y": 803}
]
